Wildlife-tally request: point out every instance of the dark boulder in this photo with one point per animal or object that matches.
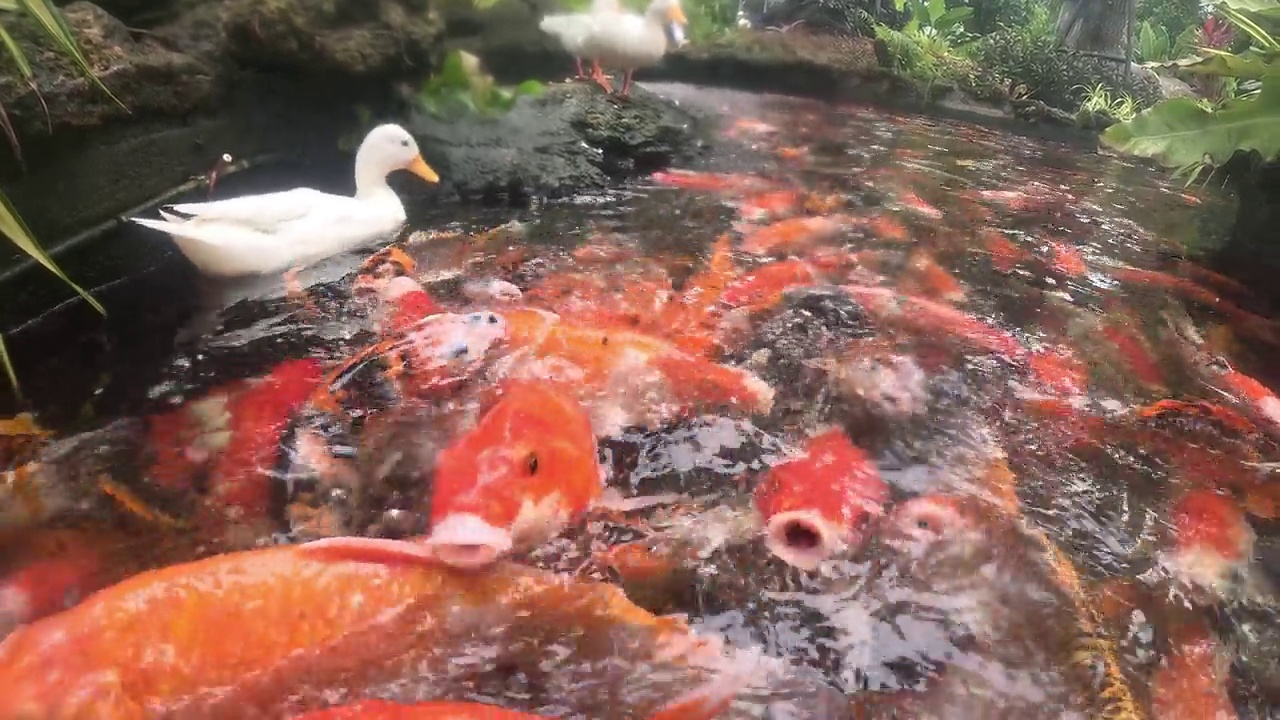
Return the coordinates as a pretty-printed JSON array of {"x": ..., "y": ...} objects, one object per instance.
[
  {"x": 347, "y": 38},
  {"x": 572, "y": 137}
]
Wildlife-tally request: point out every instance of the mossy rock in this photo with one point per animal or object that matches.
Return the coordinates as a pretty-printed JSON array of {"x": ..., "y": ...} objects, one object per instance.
[
  {"x": 1060, "y": 78},
  {"x": 353, "y": 39},
  {"x": 147, "y": 76},
  {"x": 572, "y": 138}
]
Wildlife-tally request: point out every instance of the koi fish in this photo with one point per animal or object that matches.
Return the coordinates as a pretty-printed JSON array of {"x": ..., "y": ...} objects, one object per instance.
[
  {"x": 437, "y": 352},
  {"x": 925, "y": 277},
  {"x": 690, "y": 317},
  {"x": 702, "y": 703},
  {"x": 750, "y": 126},
  {"x": 816, "y": 505},
  {"x": 1058, "y": 370},
  {"x": 525, "y": 471},
  {"x": 1211, "y": 538},
  {"x": 915, "y": 204},
  {"x": 928, "y": 317},
  {"x": 1203, "y": 274},
  {"x": 793, "y": 233},
  {"x": 1065, "y": 259},
  {"x": 726, "y": 183},
  {"x": 1132, "y": 347},
  {"x": 304, "y": 624},
  {"x": 403, "y": 304},
  {"x": 773, "y": 205},
  {"x": 1005, "y": 255},
  {"x": 48, "y": 582},
  {"x": 259, "y": 416},
  {"x": 764, "y": 287},
  {"x": 1256, "y": 326},
  {"x": 884, "y": 227},
  {"x": 1192, "y": 681},
  {"x": 605, "y": 368},
  {"x": 1249, "y": 393}
]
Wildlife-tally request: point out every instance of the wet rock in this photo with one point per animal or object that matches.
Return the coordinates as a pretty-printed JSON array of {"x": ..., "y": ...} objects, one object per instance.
[
  {"x": 350, "y": 38},
  {"x": 148, "y": 77},
  {"x": 573, "y": 137},
  {"x": 852, "y": 17},
  {"x": 146, "y": 13}
]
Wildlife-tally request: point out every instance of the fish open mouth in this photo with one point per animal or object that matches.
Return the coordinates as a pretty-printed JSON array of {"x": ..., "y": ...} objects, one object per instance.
[
  {"x": 468, "y": 542},
  {"x": 802, "y": 538}
]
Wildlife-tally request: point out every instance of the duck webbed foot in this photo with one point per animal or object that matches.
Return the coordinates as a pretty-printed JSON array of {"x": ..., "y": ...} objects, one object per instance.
[
  {"x": 296, "y": 292},
  {"x": 599, "y": 77}
]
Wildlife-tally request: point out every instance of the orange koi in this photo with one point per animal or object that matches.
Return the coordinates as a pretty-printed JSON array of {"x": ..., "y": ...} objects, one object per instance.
[
  {"x": 1070, "y": 424},
  {"x": 1198, "y": 409},
  {"x": 604, "y": 367},
  {"x": 750, "y": 126},
  {"x": 1066, "y": 259},
  {"x": 772, "y": 205},
  {"x": 602, "y": 253},
  {"x": 925, "y": 277},
  {"x": 1203, "y": 274},
  {"x": 405, "y": 303},
  {"x": 1133, "y": 348},
  {"x": 819, "y": 503},
  {"x": 259, "y": 416},
  {"x": 1250, "y": 393},
  {"x": 437, "y": 352},
  {"x": 1211, "y": 538},
  {"x": 763, "y": 288},
  {"x": 928, "y": 317},
  {"x": 304, "y": 625},
  {"x": 1192, "y": 682},
  {"x": 886, "y": 227},
  {"x": 690, "y": 317},
  {"x": 1059, "y": 370},
  {"x": 1005, "y": 255},
  {"x": 793, "y": 233},
  {"x": 514, "y": 481},
  {"x": 49, "y": 583},
  {"x": 915, "y": 204},
  {"x": 726, "y": 183},
  {"x": 701, "y": 704},
  {"x": 1256, "y": 326},
  {"x": 792, "y": 153}
]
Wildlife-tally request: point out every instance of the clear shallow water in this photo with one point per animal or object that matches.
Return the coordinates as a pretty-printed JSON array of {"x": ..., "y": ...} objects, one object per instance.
[{"x": 995, "y": 338}]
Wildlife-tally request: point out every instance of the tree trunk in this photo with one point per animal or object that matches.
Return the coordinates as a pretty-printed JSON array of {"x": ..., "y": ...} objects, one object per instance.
[{"x": 1096, "y": 26}]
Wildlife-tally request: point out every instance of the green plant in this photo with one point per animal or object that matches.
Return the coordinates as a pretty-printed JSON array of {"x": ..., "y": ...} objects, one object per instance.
[
  {"x": 709, "y": 19},
  {"x": 463, "y": 84},
  {"x": 1153, "y": 43},
  {"x": 1098, "y": 100},
  {"x": 933, "y": 14},
  {"x": 1191, "y": 135},
  {"x": 1174, "y": 17},
  {"x": 54, "y": 28}
]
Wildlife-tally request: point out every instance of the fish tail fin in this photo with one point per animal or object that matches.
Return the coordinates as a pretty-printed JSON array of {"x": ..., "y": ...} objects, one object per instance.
[{"x": 714, "y": 696}]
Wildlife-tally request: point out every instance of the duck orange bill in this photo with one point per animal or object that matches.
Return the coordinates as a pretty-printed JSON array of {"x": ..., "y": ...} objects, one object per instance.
[
  {"x": 419, "y": 167},
  {"x": 676, "y": 15}
]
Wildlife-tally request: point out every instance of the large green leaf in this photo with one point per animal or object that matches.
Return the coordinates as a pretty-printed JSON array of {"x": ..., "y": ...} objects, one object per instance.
[
  {"x": 12, "y": 227},
  {"x": 1269, "y": 9},
  {"x": 8, "y": 369},
  {"x": 1179, "y": 132},
  {"x": 1252, "y": 65}
]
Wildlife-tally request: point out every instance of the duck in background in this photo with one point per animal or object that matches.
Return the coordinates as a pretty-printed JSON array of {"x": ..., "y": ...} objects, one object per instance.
[
  {"x": 628, "y": 42},
  {"x": 279, "y": 231},
  {"x": 573, "y": 31}
]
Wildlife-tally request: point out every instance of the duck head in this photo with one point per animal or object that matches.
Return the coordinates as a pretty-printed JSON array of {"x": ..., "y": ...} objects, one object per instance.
[
  {"x": 670, "y": 15},
  {"x": 388, "y": 148}
]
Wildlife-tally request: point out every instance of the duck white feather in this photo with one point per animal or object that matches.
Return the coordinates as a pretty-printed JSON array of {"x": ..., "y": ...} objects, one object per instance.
[
  {"x": 628, "y": 41},
  {"x": 573, "y": 30},
  {"x": 273, "y": 232}
]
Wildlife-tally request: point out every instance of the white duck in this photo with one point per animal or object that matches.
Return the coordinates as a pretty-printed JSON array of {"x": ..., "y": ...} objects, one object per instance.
[
  {"x": 627, "y": 41},
  {"x": 259, "y": 234},
  {"x": 573, "y": 31}
]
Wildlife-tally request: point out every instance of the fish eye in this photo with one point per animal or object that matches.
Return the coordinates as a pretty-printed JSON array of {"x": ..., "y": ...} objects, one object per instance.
[
  {"x": 493, "y": 319},
  {"x": 226, "y": 157},
  {"x": 531, "y": 463}
]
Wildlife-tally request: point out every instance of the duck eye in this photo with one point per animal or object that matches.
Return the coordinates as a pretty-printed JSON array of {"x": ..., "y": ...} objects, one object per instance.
[
  {"x": 531, "y": 463},
  {"x": 404, "y": 142}
]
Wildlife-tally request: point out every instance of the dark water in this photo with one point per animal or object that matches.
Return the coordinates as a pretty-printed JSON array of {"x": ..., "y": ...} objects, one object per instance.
[{"x": 1026, "y": 376}]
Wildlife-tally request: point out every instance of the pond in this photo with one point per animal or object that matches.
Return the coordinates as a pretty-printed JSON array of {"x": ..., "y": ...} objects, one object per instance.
[{"x": 939, "y": 418}]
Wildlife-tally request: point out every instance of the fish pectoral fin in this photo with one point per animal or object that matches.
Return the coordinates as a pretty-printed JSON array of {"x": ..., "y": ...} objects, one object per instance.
[
  {"x": 714, "y": 696},
  {"x": 612, "y": 501},
  {"x": 371, "y": 550}
]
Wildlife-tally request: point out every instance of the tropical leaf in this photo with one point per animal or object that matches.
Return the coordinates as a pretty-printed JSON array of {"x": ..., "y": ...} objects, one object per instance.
[
  {"x": 8, "y": 369},
  {"x": 532, "y": 88},
  {"x": 1179, "y": 132},
  {"x": 1252, "y": 65},
  {"x": 12, "y": 227},
  {"x": 1269, "y": 9}
]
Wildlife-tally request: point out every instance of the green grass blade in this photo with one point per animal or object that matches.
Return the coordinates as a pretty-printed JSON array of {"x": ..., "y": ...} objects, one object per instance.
[
  {"x": 11, "y": 226},
  {"x": 19, "y": 58},
  {"x": 8, "y": 369},
  {"x": 55, "y": 27}
]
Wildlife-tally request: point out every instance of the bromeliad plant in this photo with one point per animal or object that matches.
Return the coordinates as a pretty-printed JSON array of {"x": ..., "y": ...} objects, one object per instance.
[
  {"x": 54, "y": 28},
  {"x": 463, "y": 84},
  {"x": 1191, "y": 135}
]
